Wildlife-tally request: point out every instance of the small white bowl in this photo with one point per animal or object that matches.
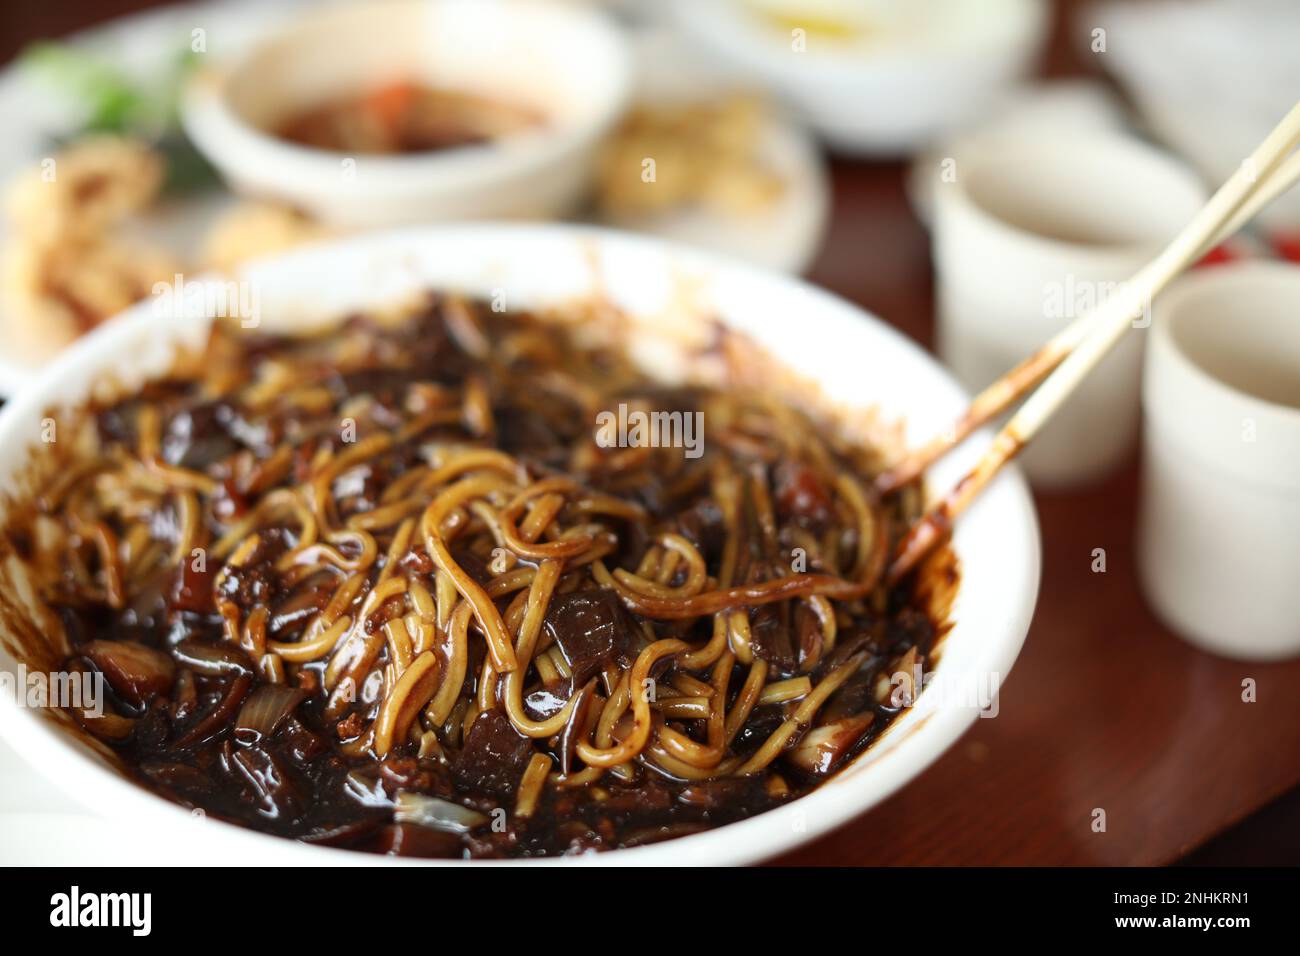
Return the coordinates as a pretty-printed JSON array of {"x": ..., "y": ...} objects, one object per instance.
[
  {"x": 1219, "y": 540},
  {"x": 570, "y": 63},
  {"x": 892, "y": 93},
  {"x": 858, "y": 361}
]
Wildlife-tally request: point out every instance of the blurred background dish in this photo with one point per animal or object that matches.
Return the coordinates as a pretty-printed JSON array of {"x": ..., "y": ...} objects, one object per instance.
[
  {"x": 106, "y": 99},
  {"x": 735, "y": 173},
  {"x": 561, "y": 72},
  {"x": 1206, "y": 76},
  {"x": 874, "y": 78}
]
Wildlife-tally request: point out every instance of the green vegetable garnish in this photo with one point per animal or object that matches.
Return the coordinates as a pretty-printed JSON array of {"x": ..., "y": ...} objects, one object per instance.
[{"x": 111, "y": 101}]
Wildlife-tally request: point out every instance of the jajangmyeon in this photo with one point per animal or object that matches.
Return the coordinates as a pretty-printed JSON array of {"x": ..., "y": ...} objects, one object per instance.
[{"x": 463, "y": 585}]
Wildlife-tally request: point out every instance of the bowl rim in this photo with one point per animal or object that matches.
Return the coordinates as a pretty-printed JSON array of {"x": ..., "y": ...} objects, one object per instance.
[
  {"x": 69, "y": 765},
  {"x": 1249, "y": 275},
  {"x": 232, "y": 142}
]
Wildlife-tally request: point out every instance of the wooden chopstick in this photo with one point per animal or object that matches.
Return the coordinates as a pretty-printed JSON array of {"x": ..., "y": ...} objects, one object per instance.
[
  {"x": 1016, "y": 383},
  {"x": 1074, "y": 351}
]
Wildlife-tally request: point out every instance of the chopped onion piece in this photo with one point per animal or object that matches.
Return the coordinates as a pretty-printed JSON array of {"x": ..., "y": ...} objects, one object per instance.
[
  {"x": 265, "y": 709},
  {"x": 212, "y": 660},
  {"x": 821, "y": 751},
  {"x": 436, "y": 813},
  {"x": 366, "y": 790}
]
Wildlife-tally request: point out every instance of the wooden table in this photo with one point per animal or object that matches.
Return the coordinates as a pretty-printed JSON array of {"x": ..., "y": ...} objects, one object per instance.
[{"x": 1106, "y": 709}]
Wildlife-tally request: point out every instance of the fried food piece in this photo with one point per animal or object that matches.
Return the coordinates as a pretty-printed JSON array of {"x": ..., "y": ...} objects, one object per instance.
[
  {"x": 64, "y": 290},
  {"x": 68, "y": 266},
  {"x": 705, "y": 154},
  {"x": 85, "y": 189},
  {"x": 252, "y": 230}
]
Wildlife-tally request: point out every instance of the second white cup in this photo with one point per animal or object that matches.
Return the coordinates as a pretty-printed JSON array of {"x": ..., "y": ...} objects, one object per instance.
[{"x": 1219, "y": 542}]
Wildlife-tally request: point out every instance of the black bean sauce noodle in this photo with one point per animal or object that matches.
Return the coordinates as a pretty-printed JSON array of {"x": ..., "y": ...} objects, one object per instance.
[{"x": 384, "y": 589}]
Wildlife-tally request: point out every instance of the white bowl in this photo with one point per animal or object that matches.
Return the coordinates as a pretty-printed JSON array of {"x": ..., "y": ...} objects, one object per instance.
[
  {"x": 568, "y": 62},
  {"x": 896, "y": 91},
  {"x": 859, "y": 362}
]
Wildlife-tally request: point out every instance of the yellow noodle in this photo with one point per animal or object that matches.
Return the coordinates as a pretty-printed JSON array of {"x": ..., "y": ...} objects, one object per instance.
[
  {"x": 530, "y": 785},
  {"x": 409, "y": 694},
  {"x": 785, "y": 690},
  {"x": 312, "y": 648},
  {"x": 456, "y": 653},
  {"x": 503, "y": 654},
  {"x": 640, "y": 733},
  {"x": 539, "y": 596}
]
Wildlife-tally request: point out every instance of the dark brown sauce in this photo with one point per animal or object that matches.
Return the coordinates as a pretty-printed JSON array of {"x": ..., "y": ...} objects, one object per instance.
[
  {"x": 407, "y": 118},
  {"x": 211, "y": 724}
]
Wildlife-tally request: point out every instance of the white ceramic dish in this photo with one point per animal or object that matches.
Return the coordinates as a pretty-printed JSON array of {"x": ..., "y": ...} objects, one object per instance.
[
  {"x": 567, "y": 62},
  {"x": 917, "y": 73},
  {"x": 858, "y": 361}
]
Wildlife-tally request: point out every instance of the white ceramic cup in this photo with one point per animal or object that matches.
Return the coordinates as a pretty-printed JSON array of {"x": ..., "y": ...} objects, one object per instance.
[
  {"x": 1028, "y": 234},
  {"x": 1219, "y": 538}
]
